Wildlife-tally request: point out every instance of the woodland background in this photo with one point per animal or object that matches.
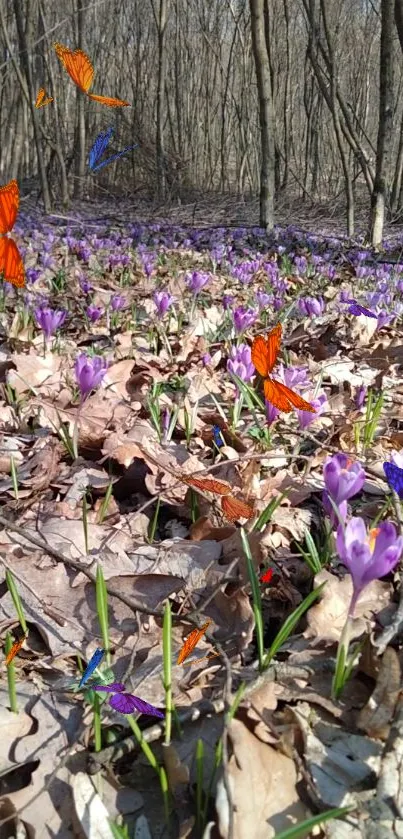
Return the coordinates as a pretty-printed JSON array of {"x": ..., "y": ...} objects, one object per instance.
[{"x": 298, "y": 98}]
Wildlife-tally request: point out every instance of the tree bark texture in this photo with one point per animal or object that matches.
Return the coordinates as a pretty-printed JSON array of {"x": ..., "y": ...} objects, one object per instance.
[{"x": 266, "y": 113}]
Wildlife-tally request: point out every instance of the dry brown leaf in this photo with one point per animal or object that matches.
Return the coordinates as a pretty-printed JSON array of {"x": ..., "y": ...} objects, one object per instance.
[
  {"x": 32, "y": 371},
  {"x": 178, "y": 772},
  {"x": 326, "y": 619},
  {"x": 376, "y": 717},
  {"x": 263, "y": 787}
]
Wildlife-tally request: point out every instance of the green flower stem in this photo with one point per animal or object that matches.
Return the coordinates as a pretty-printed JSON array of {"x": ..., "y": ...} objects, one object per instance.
[{"x": 167, "y": 653}]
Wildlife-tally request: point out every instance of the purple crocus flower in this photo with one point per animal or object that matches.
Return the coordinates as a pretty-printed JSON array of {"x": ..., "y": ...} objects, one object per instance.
[
  {"x": 240, "y": 363},
  {"x": 368, "y": 556},
  {"x": 113, "y": 261},
  {"x": 163, "y": 300},
  {"x": 32, "y": 275},
  {"x": 49, "y": 319},
  {"x": 343, "y": 479},
  {"x": 311, "y": 306},
  {"x": 305, "y": 418},
  {"x": 85, "y": 286},
  {"x": 196, "y": 281},
  {"x": 83, "y": 251},
  {"x": 359, "y": 396},
  {"x": 243, "y": 318},
  {"x": 227, "y": 301},
  {"x": 117, "y": 302},
  {"x": 94, "y": 312},
  {"x": 263, "y": 299},
  {"x": 47, "y": 260},
  {"x": 271, "y": 413},
  {"x": 89, "y": 370},
  {"x": 384, "y": 319},
  {"x": 300, "y": 264}
]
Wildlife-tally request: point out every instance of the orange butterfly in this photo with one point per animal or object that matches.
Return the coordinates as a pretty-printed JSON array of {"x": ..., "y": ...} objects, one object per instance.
[
  {"x": 11, "y": 265},
  {"x": 42, "y": 98},
  {"x": 80, "y": 69},
  {"x": 264, "y": 355},
  {"x": 191, "y": 641},
  {"x": 15, "y": 649},
  {"x": 198, "y": 660},
  {"x": 233, "y": 508},
  {"x": 206, "y": 484}
]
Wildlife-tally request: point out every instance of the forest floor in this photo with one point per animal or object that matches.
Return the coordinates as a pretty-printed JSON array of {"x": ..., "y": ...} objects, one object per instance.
[{"x": 140, "y": 465}]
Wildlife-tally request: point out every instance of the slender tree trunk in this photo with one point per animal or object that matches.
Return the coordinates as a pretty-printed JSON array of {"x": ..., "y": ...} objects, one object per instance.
[
  {"x": 22, "y": 40},
  {"x": 336, "y": 123},
  {"x": 397, "y": 179},
  {"x": 286, "y": 96},
  {"x": 81, "y": 155},
  {"x": 266, "y": 114},
  {"x": 58, "y": 147},
  {"x": 380, "y": 192},
  {"x": 162, "y": 63}
]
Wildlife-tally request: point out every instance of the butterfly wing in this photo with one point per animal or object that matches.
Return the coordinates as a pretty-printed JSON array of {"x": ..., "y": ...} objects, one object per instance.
[
  {"x": 394, "y": 477},
  {"x": 98, "y": 149},
  {"x": 284, "y": 398},
  {"x": 265, "y": 350},
  {"x": 91, "y": 666},
  {"x": 207, "y": 484},
  {"x": 217, "y": 436},
  {"x": 42, "y": 99},
  {"x": 78, "y": 66},
  {"x": 189, "y": 645},
  {"x": 11, "y": 264},
  {"x": 114, "y": 687},
  {"x": 114, "y": 157},
  {"x": 235, "y": 508},
  {"x": 127, "y": 703},
  {"x": 198, "y": 660},
  {"x": 108, "y": 100},
  {"x": 9, "y": 203},
  {"x": 357, "y": 309},
  {"x": 14, "y": 650}
]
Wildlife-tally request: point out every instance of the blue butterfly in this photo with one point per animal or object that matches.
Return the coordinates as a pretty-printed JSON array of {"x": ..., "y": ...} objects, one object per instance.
[
  {"x": 394, "y": 477},
  {"x": 217, "y": 436},
  {"x": 91, "y": 666},
  {"x": 99, "y": 148}
]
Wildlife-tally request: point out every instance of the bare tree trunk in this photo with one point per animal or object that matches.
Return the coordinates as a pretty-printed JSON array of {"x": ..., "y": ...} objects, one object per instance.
[
  {"x": 162, "y": 63},
  {"x": 266, "y": 114},
  {"x": 336, "y": 123},
  {"x": 399, "y": 20},
  {"x": 80, "y": 157},
  {"x": 286, "y": 96},
  {"x": 58, "y": 148},
  {"x": 397, "y": 179},
  {"x": 22, "y": 40},
  {"x": 380, "y": 193}
]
